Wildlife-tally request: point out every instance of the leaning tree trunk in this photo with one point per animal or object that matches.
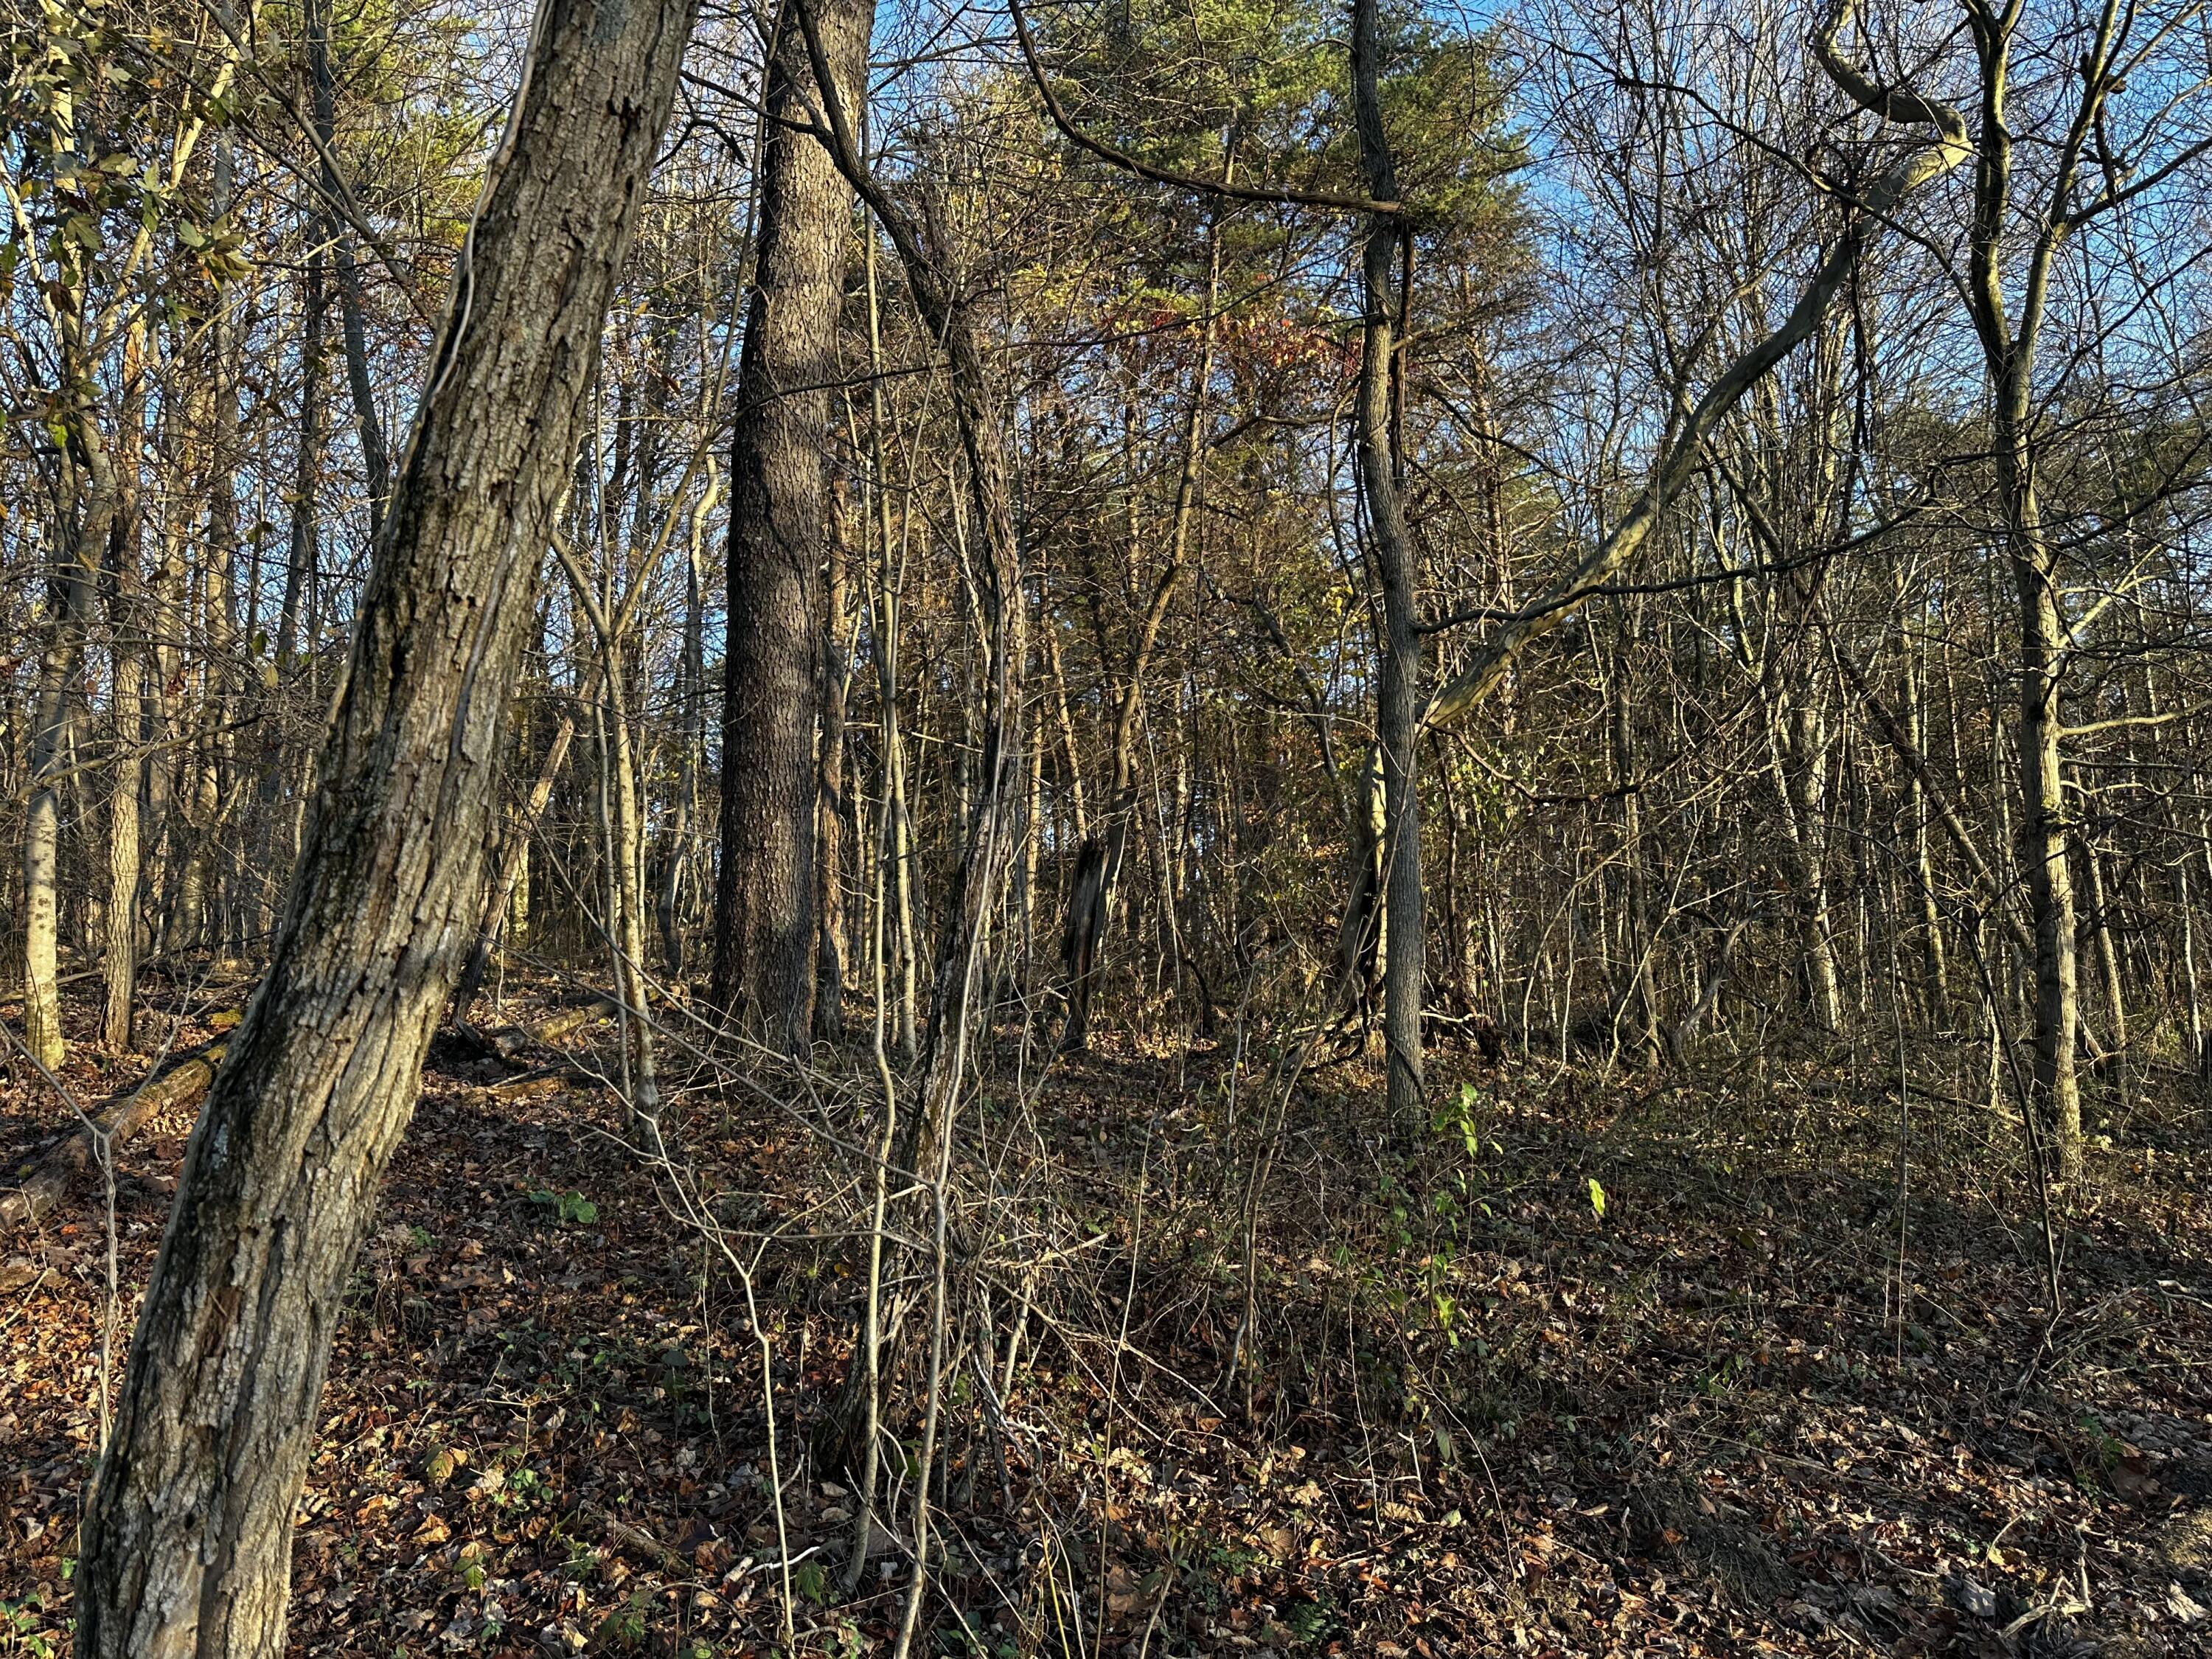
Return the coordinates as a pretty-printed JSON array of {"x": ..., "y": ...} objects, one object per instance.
[
  {"x": 188, "y": 1523},
  {"x": 764, "y": 945}
]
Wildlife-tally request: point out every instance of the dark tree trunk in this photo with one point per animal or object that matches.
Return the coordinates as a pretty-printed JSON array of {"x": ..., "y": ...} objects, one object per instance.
[
  {"x": 188, "y": 1523},
  {"x": 764, "y": 944},
  {"x": 353, "y": 328},
  {"x": 1398, "y": 712},
  {"x": 836, "y": 807}
]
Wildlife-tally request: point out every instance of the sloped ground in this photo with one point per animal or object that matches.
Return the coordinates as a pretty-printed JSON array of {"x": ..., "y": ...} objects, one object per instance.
[{"x": 1484, "y": 1416}]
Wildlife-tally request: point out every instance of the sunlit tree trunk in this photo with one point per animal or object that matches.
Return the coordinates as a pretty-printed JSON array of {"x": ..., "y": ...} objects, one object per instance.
[
  {"x": 188, "y": 1524},
  {"x": 80, "y": 547},
  {"x": 126, "y": 626},
  {"x": 834, "y": 809}
]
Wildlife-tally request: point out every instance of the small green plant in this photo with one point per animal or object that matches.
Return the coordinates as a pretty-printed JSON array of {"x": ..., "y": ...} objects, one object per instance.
[
  {"x": 1461, "y": 1114},
  {"x": 1718, "y": 1379},
  {"x": 24, "y": 1627},
  {"x": 626, "y": 1624},
  {"x": 570, "y": 1207},
  {"x": 811, "y": 1581},
  {"x": 2106, "y": 1448},
  {"x": 471, "y": 1568},
  {"x": 1309, "y": 1623}
]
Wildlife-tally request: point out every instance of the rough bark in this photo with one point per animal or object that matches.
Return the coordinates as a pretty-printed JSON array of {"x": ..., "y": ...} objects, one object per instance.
[
  {"x": 188, "y": 1523},
  {"x": 60, "y": 663},
  {"x": 764, "y": 946},
  {"x": 1398, "y": 715}
]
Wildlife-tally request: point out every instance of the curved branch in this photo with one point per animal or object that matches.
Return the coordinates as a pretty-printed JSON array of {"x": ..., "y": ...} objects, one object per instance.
[
  {"x": 1271, "y": 195},
  {"x": 1679, "y": 460}
]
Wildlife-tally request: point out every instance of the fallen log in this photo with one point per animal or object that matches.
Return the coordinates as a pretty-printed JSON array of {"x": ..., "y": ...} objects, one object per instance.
[
  {"x": 122, "y": 1116},
  {"x": 507, "y": 1041}
]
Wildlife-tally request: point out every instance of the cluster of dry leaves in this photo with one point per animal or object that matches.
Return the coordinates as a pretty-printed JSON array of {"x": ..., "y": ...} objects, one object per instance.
[{"x": 1645, "y": 1368}]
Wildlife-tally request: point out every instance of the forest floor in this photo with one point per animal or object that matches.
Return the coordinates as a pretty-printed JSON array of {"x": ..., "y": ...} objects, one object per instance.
[{"x": 1586, "y": 1367}]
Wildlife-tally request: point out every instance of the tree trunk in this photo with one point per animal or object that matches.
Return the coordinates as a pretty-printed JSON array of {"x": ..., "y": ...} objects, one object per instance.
[
  {"x": 1398, "y": 716},
  {"x": 1798, "y": 735},
  {"x": 832, "y": 805},
  {"x": 627, "y": 877},
  {"x": 304, "y": 551},
  {"x": 765, "y": 944},
  {"x": 985, "y": 845},
  {"x": 509, "y": 895},
  {"x": 2043, "y": 839},
  {"x": 1924, "y": 862},
  {"x": 60, "y": 664},
  {"x": 376, "y": 464},
  {"x": 2108, "y": 952},
  {"x": 119, "y": 965},
  {"x": 188, "y": 1523},
  {"x": 693, "y": 745},
  {"x": 126, "y": 720},
  {"x": 1639, "y": 995}
]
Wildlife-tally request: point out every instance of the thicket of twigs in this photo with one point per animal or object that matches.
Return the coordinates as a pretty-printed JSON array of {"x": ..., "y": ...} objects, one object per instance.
[{"x": 1763, "y": 1363}]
